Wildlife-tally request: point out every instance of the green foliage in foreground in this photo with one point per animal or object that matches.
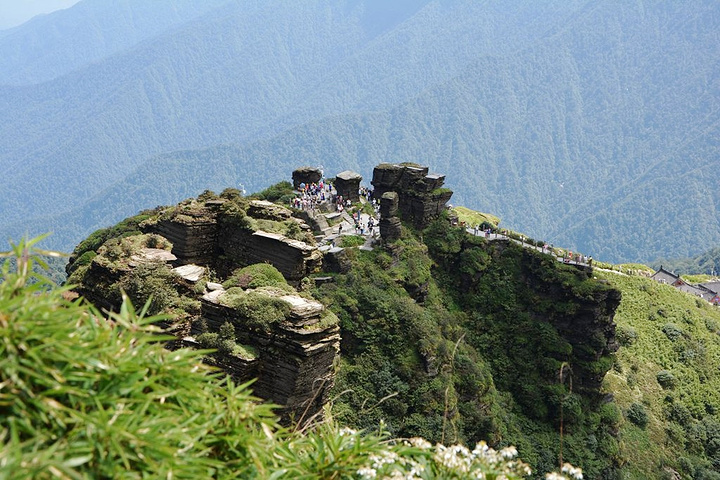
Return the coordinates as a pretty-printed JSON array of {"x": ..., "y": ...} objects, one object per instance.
[{"x": 84, "y": 396}]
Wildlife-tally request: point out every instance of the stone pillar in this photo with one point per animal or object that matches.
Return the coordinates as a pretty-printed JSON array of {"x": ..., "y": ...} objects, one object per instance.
[
  {"x": 390, "y": 225},
  {"x": 347, "y": 184},
  {"x": 421, "y": 196},
  {"x": 306, "y": 175},
  {"x": 388, "y": 205}
]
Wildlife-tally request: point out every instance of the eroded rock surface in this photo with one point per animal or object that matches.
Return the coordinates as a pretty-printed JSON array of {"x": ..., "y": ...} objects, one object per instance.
[{"x": 421, "y": 197}]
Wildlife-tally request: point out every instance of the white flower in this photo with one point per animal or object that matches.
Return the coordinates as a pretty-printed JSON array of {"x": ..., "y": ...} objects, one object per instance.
[
  {"x": 508, "y": 453},
  {"x": 419, "y": 442},
  {"x": 554, "y": 476},
  {"x": 574, "y": 472},
  {"x": 367, "y": 472}
]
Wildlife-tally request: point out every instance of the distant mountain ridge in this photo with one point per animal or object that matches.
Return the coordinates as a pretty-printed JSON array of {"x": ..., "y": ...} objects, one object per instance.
[
  {"x": 50, "y": 46},
  {"x": 590, "y": 125}
]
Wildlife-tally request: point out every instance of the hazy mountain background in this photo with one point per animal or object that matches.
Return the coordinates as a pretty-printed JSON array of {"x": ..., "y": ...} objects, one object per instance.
[
  {"x": 16, "y": 12},
  {"x": 592, "y": 125}
]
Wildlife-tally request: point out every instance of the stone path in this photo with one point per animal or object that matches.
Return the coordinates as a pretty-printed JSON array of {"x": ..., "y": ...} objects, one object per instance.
[
  {"x": 330, "y": 223},
  {"x": 546, "y": 251}
]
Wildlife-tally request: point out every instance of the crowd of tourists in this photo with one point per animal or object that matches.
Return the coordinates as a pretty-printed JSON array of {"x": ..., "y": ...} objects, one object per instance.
[{"x": 309, "y": 197}]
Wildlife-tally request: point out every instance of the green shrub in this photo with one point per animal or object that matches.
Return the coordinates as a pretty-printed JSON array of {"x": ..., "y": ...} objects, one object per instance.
[
  {"x": 666, "y": 379},
  {"x": 672, "y": 331},
  {"x": 151, "y": 282},
  {"x": 84, "y": 259},
  {"x": 256, "y": 276},
  {"x": 680, "y": 413},
  {"x": 258, "y": 310},
  {"x": 348, "y": 241},
  {"x": 636, "y": 414},
  {"x": 130, "y": 225},
  {"x": 209, "y": 339},
  {"x": 274, "y": 192},
  {"x": 610, "y": 414},
  {"x": 626, "y": 335}
]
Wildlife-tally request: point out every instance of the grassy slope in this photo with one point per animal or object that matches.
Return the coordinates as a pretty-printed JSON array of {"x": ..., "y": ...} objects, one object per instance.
[{"x": 680, "y": 419}]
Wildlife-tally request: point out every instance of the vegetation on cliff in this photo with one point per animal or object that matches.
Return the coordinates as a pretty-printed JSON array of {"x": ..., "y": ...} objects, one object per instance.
[
  {"x": 460, "y": 339},
  {"x": 457, "y": 339},
  {"x": 666, "y": 381},
  {"x": 89, "y": 396}
]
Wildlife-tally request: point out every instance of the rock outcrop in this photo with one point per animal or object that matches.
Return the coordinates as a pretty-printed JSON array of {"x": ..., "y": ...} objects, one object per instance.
[
  {"x": 169, "y": 264},
  {"x": 294, "y": 365},
  {"x": 390, "y": 224},
  {"x": 306, "y": 175},
  {"x": 193, "y": 233},
  {"x": 205, "y": 234},
  {"x": 347, "y": 184},
  {"x": 421, "y": 197},
  {"x": 293, "y": 258}
]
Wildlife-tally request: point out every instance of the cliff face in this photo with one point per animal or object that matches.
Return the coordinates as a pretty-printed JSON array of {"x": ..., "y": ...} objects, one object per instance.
[
  {"x": 171, "y": 263},
  {"x": 211, "y": 235},
  {"x": 294, "y": 364},
  {"x": 580, "y": 310},
  {"x": 421, "y": 197},
  {"x": 540, "y": 321}
]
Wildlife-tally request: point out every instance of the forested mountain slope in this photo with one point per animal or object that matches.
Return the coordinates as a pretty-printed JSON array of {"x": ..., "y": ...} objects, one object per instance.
[
  {"x": 707, "y": 263},
  {"x": 589, "y": 125}
]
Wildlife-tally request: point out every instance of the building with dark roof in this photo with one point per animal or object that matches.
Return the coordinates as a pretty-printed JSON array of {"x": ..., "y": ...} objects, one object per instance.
[{"x": 707, "y": 291}]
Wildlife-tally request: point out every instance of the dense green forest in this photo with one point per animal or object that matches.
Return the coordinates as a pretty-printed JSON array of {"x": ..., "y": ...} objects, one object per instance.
[
  {"x": 707, "y": 263},
  {"x": 588, "y": 125},
  {"x": 55, "y": 45},
  {"x": 491, "y": 350}
]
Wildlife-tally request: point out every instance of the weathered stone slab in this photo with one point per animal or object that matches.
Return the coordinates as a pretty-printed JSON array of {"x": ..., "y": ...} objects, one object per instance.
[
  {"x": 191, "y": 273},
  {"x": 213, "y": 295},
  {"x": 268, "y": 210},
  {"x": 151, "y": 255},
  {"x": 302, "y": 308}
]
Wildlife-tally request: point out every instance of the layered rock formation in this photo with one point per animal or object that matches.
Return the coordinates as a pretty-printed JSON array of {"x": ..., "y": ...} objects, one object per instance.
[
  {"x": 193, "y": 232},
  {"x": 306, "y": 175},
  {"x": 389, "y": 221},
  {"x": 294, "y": 366},
  {"x": 421, "y": 197},
  {"x": 206, "y": 234},
  {"x": 347, "y": 184},
  {"x": 293, "y": 258},
  {"x": 169, "y": 265}
]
